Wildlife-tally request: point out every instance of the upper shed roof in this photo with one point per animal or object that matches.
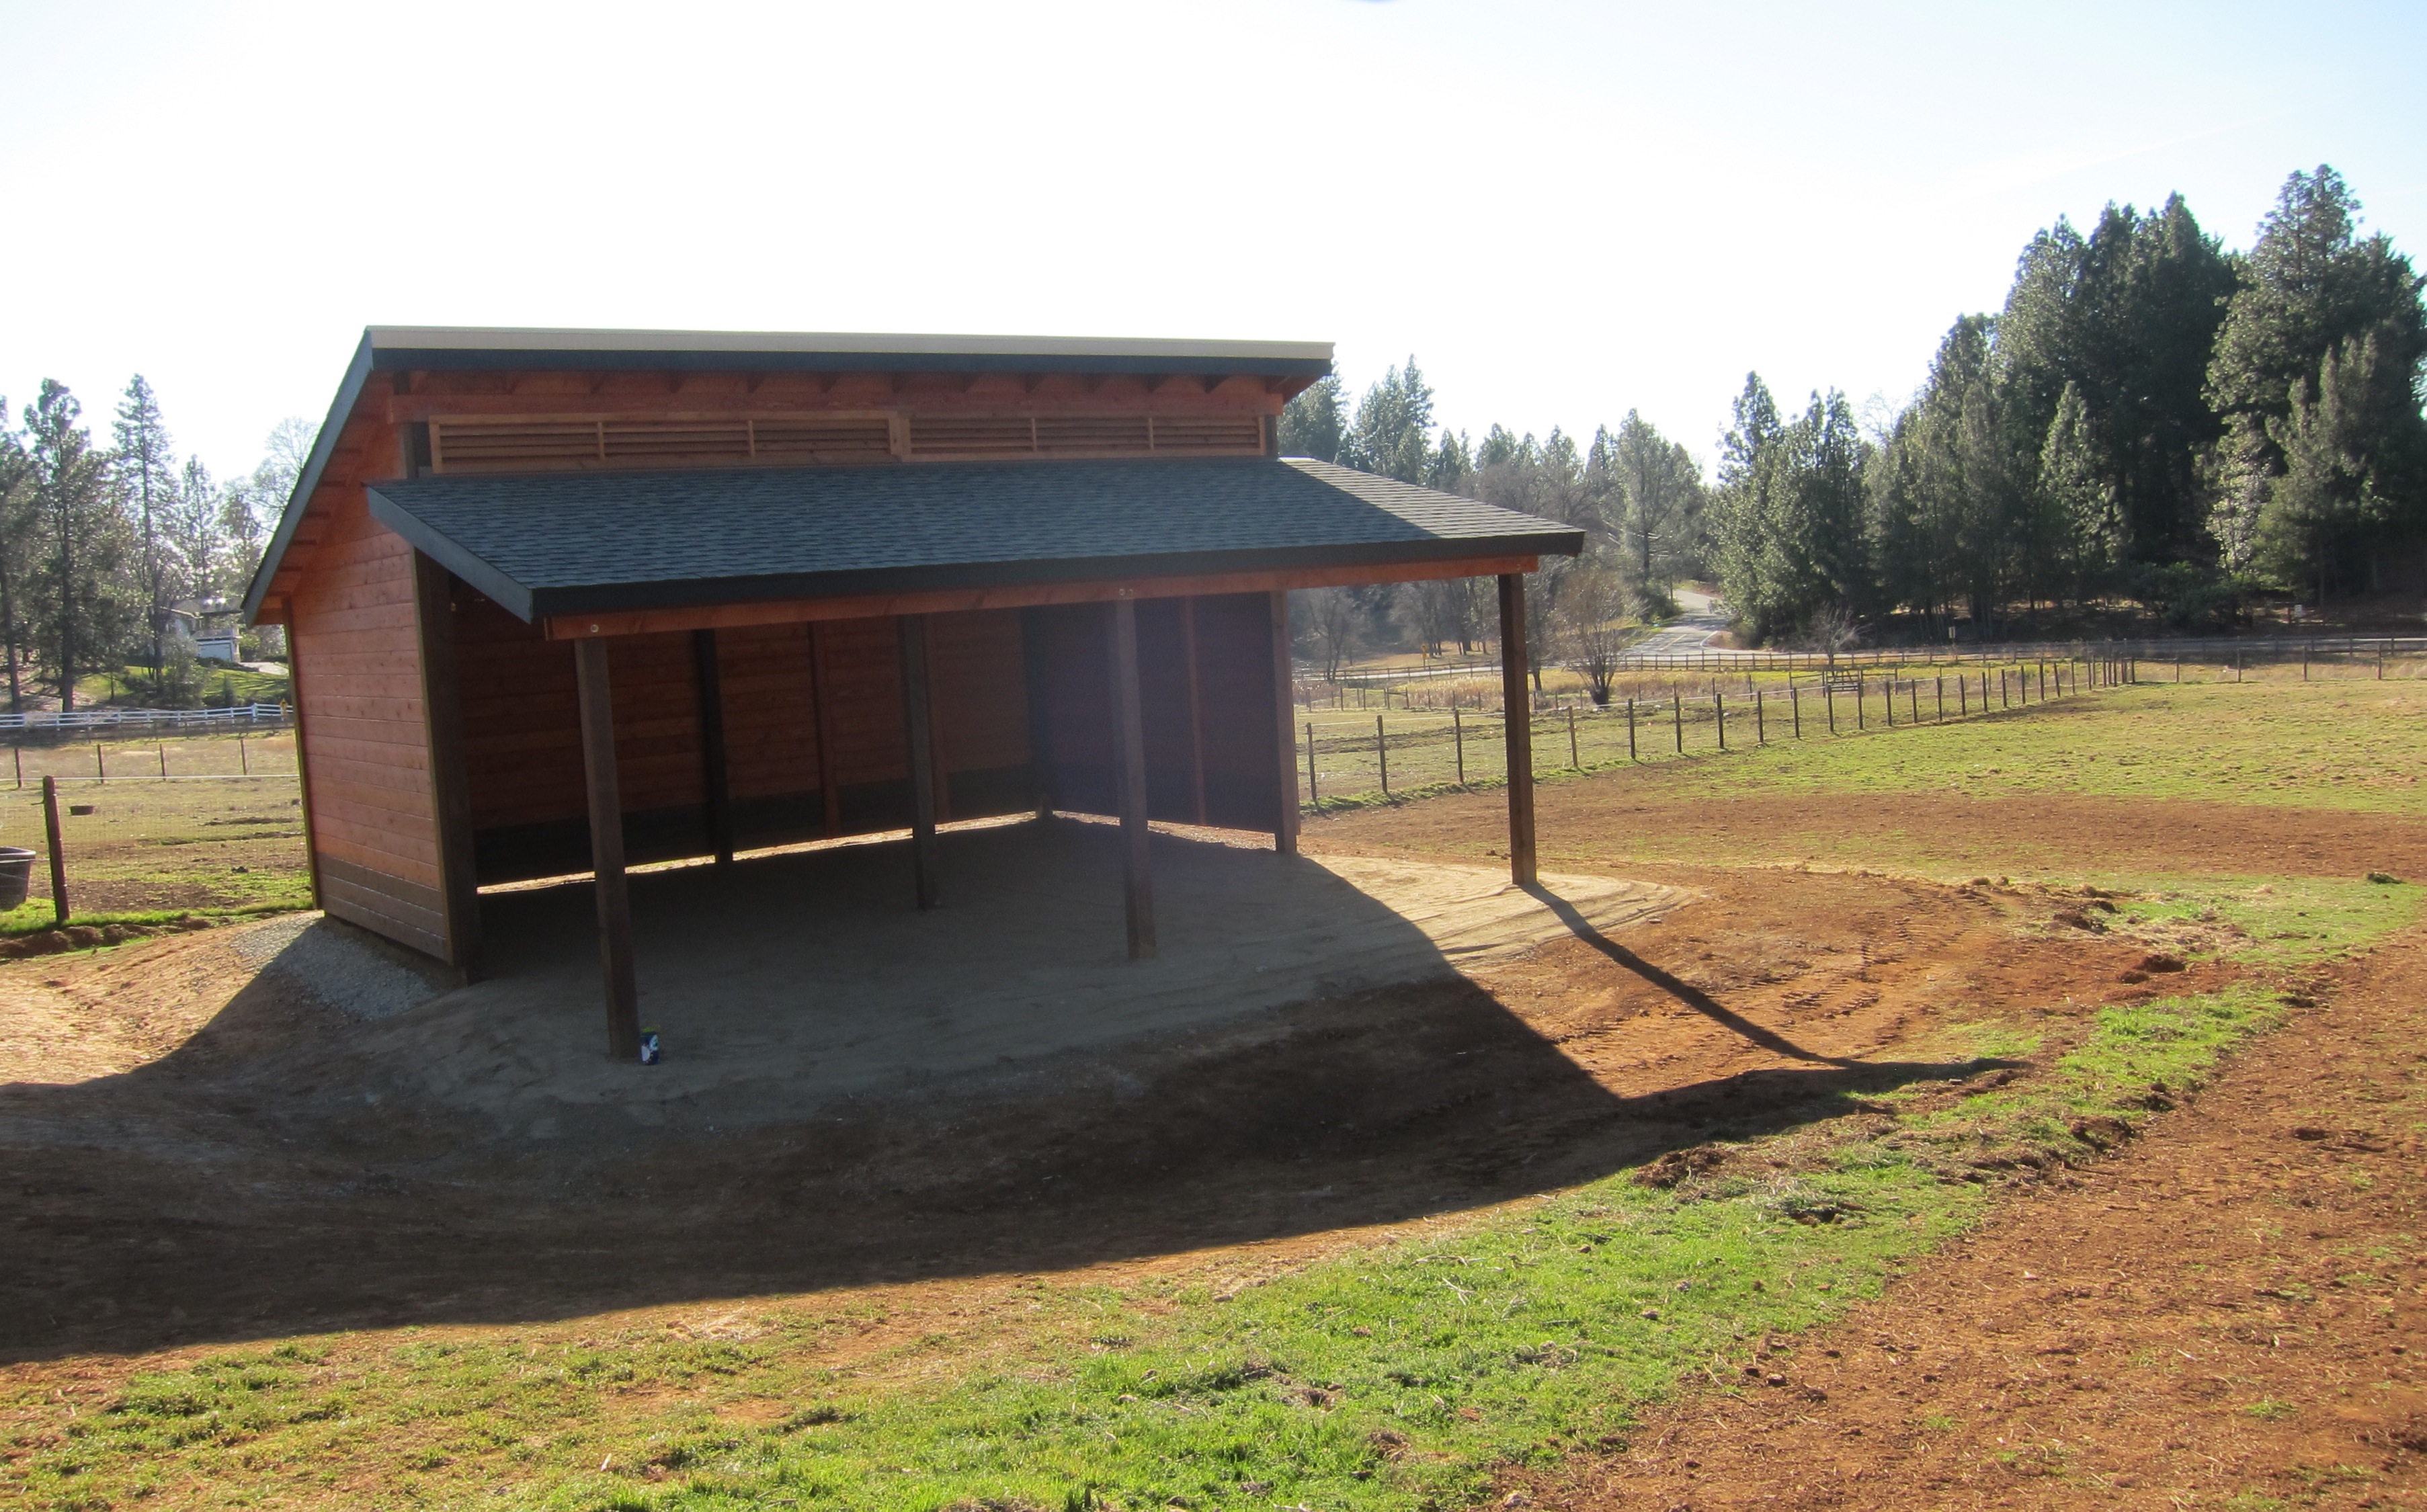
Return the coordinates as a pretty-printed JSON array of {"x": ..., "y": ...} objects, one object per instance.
[
  {"x": 586, "y": 542},
  {"x": 431, "y": 348}
]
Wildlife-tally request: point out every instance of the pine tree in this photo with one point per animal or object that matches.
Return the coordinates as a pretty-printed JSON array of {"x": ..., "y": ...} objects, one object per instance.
[
  {"x": 1392, "y": 435},
  {"x": 1312, "y": 422},
  {"x": 83, "y": 608},
  {"x": 18, "y": 540},
  {"x": 2080, "y": 501},
  {"x": 2324, "y": 324},
  {"x": 147, "y": 469}
]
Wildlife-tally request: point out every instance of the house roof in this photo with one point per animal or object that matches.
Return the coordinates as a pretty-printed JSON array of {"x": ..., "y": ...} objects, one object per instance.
[{"x": 585, "y": 542}]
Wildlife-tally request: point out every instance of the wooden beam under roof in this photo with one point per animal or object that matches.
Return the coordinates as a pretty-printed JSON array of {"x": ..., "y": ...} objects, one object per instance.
[{"x": 945, "y": 601}]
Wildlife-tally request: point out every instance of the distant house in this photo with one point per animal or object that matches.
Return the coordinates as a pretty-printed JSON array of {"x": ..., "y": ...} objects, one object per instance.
[{"x": 210, "y": 629}]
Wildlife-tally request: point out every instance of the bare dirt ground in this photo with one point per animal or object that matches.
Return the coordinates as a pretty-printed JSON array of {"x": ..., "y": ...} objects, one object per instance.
[
  {"x": 2233, "y": 1314},
  {"x": 244, "y": 1174}
]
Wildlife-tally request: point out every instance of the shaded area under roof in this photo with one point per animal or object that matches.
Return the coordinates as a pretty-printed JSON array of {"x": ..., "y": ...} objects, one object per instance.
[{"x": 543, "y": 544}]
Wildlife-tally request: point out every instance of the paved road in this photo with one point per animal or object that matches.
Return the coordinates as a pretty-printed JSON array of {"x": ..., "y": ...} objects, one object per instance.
[{"x": 1682, "y": 635}]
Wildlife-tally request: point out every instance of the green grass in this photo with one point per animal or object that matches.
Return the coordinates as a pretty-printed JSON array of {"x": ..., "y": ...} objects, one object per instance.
[
  {"x": 2325, "y": 744},
  {"x": 2280, "y": 922},
  {"x": 1404, "y": 1376},
  {"x": 36, "y": 916}
]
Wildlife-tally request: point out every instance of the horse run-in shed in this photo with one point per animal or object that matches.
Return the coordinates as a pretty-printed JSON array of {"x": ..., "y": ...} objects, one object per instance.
[{"x": 564, "y": 601}]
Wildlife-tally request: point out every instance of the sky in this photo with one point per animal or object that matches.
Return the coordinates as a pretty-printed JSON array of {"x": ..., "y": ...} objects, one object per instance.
[{"x": 1563, "y": 210}]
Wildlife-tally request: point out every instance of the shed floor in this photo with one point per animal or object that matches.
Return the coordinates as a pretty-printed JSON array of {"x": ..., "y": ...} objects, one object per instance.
[{"x": 796, "y": 979}]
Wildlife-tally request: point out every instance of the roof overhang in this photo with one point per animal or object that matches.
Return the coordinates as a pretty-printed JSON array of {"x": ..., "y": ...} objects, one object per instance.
[{"x": 543, "y": 546}]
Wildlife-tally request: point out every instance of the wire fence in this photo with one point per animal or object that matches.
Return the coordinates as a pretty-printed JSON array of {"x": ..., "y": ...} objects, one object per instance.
[
  {"x": 1349, "y": 755},
  {"x": 2249, "y": 651},
  {"x": 241, "y": 753}
]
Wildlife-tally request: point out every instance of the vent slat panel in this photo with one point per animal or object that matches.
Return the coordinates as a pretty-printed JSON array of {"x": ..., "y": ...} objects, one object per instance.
[{"x": 568, "y": 443}]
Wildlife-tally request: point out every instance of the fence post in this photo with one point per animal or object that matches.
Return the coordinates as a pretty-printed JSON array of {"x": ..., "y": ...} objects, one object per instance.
[
  {"x": 1828, "y": 697},
  {"x": 100, "y": 766},
  {"x": 1795, "y": 708},
  {"x": 1382, "y": 753},
  {"x": 1677, "y": 718},
  {"x": 1719, "y": 713},
  {"x": 18, "y": 752},
  {"x": 1630, "y": 729},
  {"x": 58, "y": 862},
  {"x": 243, "y": 760},
  {"x": 1314, "y": 797},
  {"x": 1760, "y": 726},
  {"x": 1457, "y": 733},
  {"x": 1913, "y": 694},
  {"x": 1575, "y": 763}
]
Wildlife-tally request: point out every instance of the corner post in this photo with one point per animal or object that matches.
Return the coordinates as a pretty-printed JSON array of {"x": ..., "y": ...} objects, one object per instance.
[
  {"x": 715, "y": 783},
  {"x": 607, "y": 847},
  {"x": 1518, "y": 707},
  {"x": 1129, "y": 777},
  {"x": 919, "y": 715},
  {"x": 1285, "y": 818},
  {"x": 450, "y": 799}
]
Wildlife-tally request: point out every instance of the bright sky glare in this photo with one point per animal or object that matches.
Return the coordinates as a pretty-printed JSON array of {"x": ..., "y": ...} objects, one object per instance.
[{"x": 1565, "y": 210}]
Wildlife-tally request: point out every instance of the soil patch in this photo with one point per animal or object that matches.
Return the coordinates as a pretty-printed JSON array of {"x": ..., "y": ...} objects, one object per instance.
[
  {"x": 1626, "y": 816},
  {"x": 2229, "y": 1313}
]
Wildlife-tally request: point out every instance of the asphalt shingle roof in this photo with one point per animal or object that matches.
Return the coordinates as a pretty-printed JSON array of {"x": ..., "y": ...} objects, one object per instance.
[{"x": 574, "y": 543}]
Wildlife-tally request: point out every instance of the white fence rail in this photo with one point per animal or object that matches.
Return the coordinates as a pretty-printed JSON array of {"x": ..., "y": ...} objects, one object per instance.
[{"x": 46, "y": 727}]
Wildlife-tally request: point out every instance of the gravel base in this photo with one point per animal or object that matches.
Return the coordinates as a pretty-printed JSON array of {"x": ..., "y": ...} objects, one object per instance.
[{"x": 348, "y": 970}]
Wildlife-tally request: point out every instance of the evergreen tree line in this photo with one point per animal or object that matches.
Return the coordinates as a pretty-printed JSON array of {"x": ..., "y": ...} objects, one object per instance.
[
  {"x": 100, "y": 542},
  {"x": 2148, "y": 418}
]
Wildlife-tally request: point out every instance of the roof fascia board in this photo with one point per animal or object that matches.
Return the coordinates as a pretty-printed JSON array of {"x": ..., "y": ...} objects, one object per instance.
[
  {"x": 444, "y": 549},
  {"x": 324, "y": 445},
  {"x": 429, "y": 348},
  {"x": 547, "y": 603}
]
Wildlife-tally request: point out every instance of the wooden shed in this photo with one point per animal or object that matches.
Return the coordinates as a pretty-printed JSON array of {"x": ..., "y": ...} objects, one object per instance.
[{"x": 564, "y": 601}]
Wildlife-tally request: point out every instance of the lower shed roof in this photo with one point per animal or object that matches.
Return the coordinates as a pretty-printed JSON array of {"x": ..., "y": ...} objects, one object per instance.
[{"x": 544, "y": 544}]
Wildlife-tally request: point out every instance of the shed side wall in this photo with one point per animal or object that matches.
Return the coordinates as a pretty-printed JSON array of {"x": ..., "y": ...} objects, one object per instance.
[{"x": 357, "y": 643}]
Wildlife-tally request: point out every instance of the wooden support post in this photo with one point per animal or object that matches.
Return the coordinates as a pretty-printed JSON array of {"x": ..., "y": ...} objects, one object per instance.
[
  {"x": 1630, "y": 729},
  {"x": 1517, "y": 727},
  {"x": 1720, "y": 714},
  {"x": 1760, "y": 728},
  {"x": 163, "y": 760},
  {"x": 1795, "y": 708},
  {"x": 1128, "y": 775},
  {"x": 1575, "y": 761},
  {"x": 59, "y": 857},
  {"x": 918, "y": 720},
  {"x": 715, "y": 781},
  {"x": 1382, "y": 755},
  {"x": 1285, "y": 817},
  {"x": 1313, "y": 793},
  {"x": 1677, "y": 720},
  {"x": 451, "y": 798},
  {"x": 1829, "y": 696},
  {"x": 829, "y": 790},
  {"x": 606, "y": 849},
  {"x": 1458, "y": 734},
  {"x": 1196, "y": 716},
  {"x": 1942, "y": 698}
]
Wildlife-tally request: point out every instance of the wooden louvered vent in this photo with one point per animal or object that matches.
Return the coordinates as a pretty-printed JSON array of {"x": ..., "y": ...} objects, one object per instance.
[
  {"x": 574, "y": 444},
  {"x": 947, "y": 437},
  {"x": 557, "y": 445}
]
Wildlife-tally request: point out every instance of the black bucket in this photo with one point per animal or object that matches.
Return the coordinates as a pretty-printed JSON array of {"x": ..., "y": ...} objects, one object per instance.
[{"x": 16, "y": 872}]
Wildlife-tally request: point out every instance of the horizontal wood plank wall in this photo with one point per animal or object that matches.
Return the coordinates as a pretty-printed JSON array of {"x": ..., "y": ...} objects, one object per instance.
[
  {"x": 357, "y": 643},
  {"x": 1234, "y": 680},
  {"x": 523, "y": 753},
  {"x": 771, "y": 727},
  {"x": 977, "y": 669},
  {"x": 1235, "y": 709}
]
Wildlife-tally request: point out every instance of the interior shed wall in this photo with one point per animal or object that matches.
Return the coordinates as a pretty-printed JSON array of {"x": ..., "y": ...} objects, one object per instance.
[
  {"x": 1229, "y": 741},
  {"x": 357, "y": 655},
  {"x": 801, "y": 703}
]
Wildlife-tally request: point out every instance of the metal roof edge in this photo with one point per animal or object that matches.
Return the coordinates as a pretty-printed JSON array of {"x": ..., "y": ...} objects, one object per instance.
[
  {"x": 463, "y": 341},
  {"x": 358, "y": 372}
]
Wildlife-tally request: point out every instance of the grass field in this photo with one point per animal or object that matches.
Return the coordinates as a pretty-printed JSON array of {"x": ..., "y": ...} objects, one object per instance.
[{"x": 1412, "y": 1365}]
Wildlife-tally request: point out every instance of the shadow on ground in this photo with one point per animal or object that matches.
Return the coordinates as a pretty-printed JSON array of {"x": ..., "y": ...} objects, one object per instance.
[{"x": 272, "y": 1177}]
